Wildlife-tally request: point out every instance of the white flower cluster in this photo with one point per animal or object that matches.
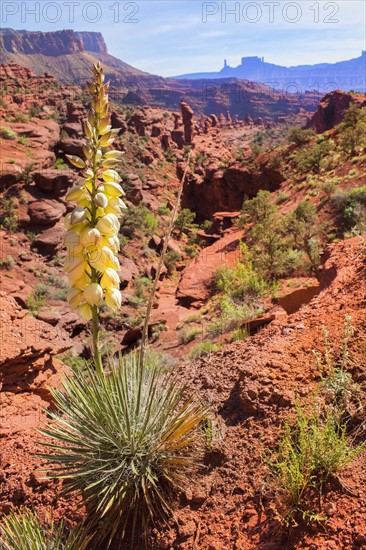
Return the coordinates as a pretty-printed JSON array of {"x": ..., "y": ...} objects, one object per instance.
[{"x": 92, "y": 227}]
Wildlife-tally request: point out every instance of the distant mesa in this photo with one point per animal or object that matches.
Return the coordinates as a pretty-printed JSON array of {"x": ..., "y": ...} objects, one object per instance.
[{"x": 323, "y": 77}]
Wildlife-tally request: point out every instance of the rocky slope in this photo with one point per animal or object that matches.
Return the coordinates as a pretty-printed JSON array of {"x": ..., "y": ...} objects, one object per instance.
[{"x": 250, "y": 386}]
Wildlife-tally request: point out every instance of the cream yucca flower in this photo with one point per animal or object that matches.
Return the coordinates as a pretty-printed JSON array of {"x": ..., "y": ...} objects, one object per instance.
[{"x": 92, "y": 227}]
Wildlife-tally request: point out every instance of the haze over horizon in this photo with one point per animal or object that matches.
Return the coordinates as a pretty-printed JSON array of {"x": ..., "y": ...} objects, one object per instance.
[{"x": 186, "y": 36}]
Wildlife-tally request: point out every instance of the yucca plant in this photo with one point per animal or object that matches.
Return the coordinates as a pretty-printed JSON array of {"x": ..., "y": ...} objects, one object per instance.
[
  {"x": 127, "y": 441},
  {"x": 23, "y": 531}
]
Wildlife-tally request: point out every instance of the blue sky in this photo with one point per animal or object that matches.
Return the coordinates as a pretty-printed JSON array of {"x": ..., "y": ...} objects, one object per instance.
[{"x": 170, "y": 37}]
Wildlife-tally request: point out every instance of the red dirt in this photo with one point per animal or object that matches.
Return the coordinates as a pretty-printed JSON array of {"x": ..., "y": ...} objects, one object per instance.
[{"x": 250, "y": 387}]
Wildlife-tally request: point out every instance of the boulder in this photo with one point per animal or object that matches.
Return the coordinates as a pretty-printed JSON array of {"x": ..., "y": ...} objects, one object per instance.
[
  {"x": 73, "y": 129},
  {"x": 9, "y": 175},
  {"x": 71, "y": 146},
  {"x": 54, "y": 180},
  {"x": 48, "y": 241},
  {"x": 134, "y": 189},
  {"x": 46, "y": 212}
]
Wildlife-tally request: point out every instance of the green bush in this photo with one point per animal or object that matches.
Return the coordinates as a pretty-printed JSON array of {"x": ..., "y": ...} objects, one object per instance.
[
  {"x": 21, "y": 117},
  {"x": 242, "y": 282},
  {"x": 188, "y": 334},
  {"x": 352, "y": 130},
  {"x": 354, "y": 208},
  {"x": 299, "y": 135},
  {"x": 138, "y": 218},
  {"x": 307, "y": 233},
  {"x": 272, "y": 249},
  {"x": 310, "y": 451},
  {"x": 8, "y": 219},
  {"x": 8, "y": 263},
  {"x": 329, "y": 186},
  {"x": 24, "y": 531},
  {"x": 203, "y": 349},
  {"x": 126, "y": 441},
  {"x": 7, "y": 133},
  {"x": 171, "y": 260},
  {"x": 37, "y": 299},
  {"x": 309, "y": 158},
  {"x": 184, "y": 221}
]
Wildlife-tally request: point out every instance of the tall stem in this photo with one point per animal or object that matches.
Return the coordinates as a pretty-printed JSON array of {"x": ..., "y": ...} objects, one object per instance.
[
  {"x": 145, "y": 329},
  {"x": 96, "y": 348}
]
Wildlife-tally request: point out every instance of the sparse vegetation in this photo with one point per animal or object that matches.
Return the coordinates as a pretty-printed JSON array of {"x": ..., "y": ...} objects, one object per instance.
[
  {"x": 8, "y": 219},
  {"x": 7, "y": 133},
  {"x": 312, "y": 449},
  {"x": 203, "y": 349},
  {"x": 185, "y": 221},
  {"x": 186, "y": 335}
]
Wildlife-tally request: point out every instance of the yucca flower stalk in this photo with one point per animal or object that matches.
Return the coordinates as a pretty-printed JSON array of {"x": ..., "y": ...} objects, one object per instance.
[{"x": 92, "y": 227}]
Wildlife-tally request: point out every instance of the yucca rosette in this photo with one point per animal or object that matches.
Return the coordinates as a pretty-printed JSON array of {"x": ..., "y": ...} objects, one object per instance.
[{"x": 92, "y": 227}]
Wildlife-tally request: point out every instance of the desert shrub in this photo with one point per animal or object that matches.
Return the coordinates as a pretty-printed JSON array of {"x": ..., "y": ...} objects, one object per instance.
[
  {"x": 184, "y": 221},
  {"x": 309, "y": 158},
  {"x": 21, "y": 117},
  {"x": 329, "y": 186},
  {"x": 203, "y": 349},
  {"x": 191, "y": 250},
  {"x": 193, "y": 318},
  {"x": 171, "y": 259},
  {"x": 233, "y": 314},
  {"x": 60, "y": 164},
  {"x": 273, "y": 254},
  {"x": 7, "y": 133},
  {"x": 352, "y": 129},
  {"x": 307, "y": 233},
  {"x": 138, "y": 218},
  {"x": 299, "y": 135},
  {"x": 23, "y": 530},
  {"x": 311, "y": 450},
  {"x": 239, "y": 334},
  {"x": 282, "y": 196},
  {"x": 37, "y": 298},
  {"x": 242, "y": 282},
  {"x": 164, "y": 210},
  {"x": 186, "y": 335},
  {"x": 8, "y": 263},
  {"x": 354, "y": 208},
  {"x": 23, "y": 140},
  {"x": 126, "y": 441},
  {"x": 142, "y": 285},
  {"x": 8, "y": 219}
]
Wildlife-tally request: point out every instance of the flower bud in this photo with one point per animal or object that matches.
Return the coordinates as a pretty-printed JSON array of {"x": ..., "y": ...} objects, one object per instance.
[
  {"x": 93, "y": 294},
  {"x": 111, "y": 176},
  {"x": 113, "y": 190},
  {"x": 113, "y": 299},
  {"x": 101, "y": 200},
  {"x": 90, "y": 237},
  {"x": 108, "y": 225},
  {"x": 78, "y": 215},
  {"x": 109, "y": 279}
]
